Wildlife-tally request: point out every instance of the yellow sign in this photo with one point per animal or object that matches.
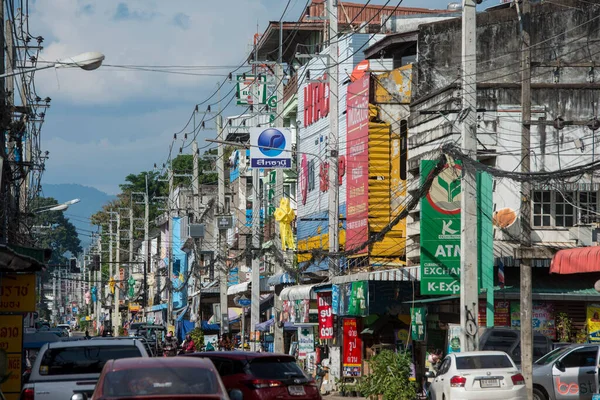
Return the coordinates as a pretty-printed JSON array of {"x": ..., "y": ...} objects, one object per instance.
[
  {"x": 11, "y": 333},
  {"x": 17, "y": 293},
  {"x": 13, "y": 383},
  {"x": 134, "y": 307},
  {"x": 394, "y": 87},
  {"x": 593, "y": 322}
]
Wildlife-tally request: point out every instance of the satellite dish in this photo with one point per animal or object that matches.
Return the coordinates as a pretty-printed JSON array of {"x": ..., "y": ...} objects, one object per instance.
[
  {"x": 597, "y": 286},
  {"x": 504, "y": 217}
]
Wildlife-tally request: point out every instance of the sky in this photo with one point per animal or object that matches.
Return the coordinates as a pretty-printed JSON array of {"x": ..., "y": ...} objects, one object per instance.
[{"x": 108, "y": 123}]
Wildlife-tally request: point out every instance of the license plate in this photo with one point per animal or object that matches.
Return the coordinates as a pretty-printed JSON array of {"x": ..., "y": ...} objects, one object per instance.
[
  {"x": 490, "y": 383},
  {"x": 296, "y": 390}
]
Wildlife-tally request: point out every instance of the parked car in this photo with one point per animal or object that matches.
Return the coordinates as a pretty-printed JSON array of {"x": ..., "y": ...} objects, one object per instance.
[
  {"x": 160, "y": 378},
  {"x": 63, "y": 369},
  {"x": 508, "y": 340},
  {"x": 477, "y": 375},
  {"x": 262, "y": 375},
  {"x": 567, "y": 372},
  {"x": 65, "y": 327}
]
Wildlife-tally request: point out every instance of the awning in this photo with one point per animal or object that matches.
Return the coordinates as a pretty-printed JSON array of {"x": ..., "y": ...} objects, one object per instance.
[
  {"x": 404, "y": 274},
  {"x": 22, "y": 259},
  {"x": 298, "y": 292},
  {"x": 265, "y": 326},
  {"x": 576, "y": 261},
  {"x": 282, "y": 278},
  {"x": 238, "y": 288}
]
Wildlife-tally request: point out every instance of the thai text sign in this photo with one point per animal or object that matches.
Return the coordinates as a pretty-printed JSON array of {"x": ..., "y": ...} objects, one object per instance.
[
  {"x": 270, "y": 148},
  {"x": 542, "y": 318},
  {"x": 352, "y": 360},
  {"x": 13, "y": 383},
  {"x": 11, "y": 333},
  {"x": 357, "y": 149},
  {"x": 440, "y": 231},
  {"x": 306, "y": 342},
  {"x": 17, "y": 293},
  {"x": 325, "y": 316},
  {"x": 418, "y": 323}
]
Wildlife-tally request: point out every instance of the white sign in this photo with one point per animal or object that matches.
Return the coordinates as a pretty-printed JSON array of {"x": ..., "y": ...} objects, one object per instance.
[
  {"x": 251, "y": 90},
  {"x": 270, "y": 148},
  {"x": 306, "y": 342}
]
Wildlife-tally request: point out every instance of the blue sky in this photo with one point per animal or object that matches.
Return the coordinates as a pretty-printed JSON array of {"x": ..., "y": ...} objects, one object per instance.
[{"x": 107, "y": 123}]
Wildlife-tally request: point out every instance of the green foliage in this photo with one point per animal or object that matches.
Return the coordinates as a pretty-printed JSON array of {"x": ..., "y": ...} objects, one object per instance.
[
  {"x": 582, "y": 335},
  {"x": 390, "y": 373},
  {"x": 197, "y": 335},
  {"x": 564, "y": 327}
]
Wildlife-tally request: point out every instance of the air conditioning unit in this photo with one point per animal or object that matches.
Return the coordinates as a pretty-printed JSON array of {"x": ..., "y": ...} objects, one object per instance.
[{"x": 196, "y": 231}]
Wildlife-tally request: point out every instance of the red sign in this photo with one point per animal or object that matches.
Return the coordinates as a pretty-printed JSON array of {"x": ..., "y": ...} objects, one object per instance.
[
  {"x": 325, "y": 316},
  {"x": 316, "y": 101},
  {"x": 303, "y": 179},
  {"x": 501, "y": 313},
  {"x": 357, "y": 163},
  {"x": 352, "y": 360}
]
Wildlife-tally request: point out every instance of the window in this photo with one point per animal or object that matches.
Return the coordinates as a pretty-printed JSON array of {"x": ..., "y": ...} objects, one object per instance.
[
  {"x": 565, "y": 208},
  {"x": 311, "y": 175},
  {"x": 445, "y": 366},
  {"x": 500, "y": 340},
  {"x": 483, "y": 362},
  {"x": 84, "y": 359},
  {"x": 278, "y": 368},
  {"x": 583, "y": 357}
]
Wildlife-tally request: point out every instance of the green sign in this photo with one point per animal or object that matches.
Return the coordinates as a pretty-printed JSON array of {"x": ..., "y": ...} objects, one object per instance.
[
  {"x": 272, "y": 102},
  {"x": 440, "y": 231},
  {"x": 418, "y": 323},
  {"x": 251, "y": 90}
]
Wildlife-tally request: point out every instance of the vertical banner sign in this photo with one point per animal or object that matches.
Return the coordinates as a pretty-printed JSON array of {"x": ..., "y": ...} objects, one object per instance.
[
  {"x": 352, "y": 361},
  {"x": 270, "y": 148},
  {"x": 357, "y": 149},
  {"x": 417, "y": 323},
  {"x": 306, "y": 342},
  {"x": 593, "y": 322},
  {"x": 335, "y": 299},
  {"x": 453, "y": 338},
  {"x": 440, "y": 231},
  {"x": 325, "y": 316}
]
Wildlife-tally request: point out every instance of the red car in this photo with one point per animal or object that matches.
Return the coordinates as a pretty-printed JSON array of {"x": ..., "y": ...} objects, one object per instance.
[
  {"x": 161, "y": 378},
  {"x": 261, "y": 376}
]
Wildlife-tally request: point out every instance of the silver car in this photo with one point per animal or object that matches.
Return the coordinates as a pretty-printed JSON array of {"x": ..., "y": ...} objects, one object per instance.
[{"x": 569, "y": 372}]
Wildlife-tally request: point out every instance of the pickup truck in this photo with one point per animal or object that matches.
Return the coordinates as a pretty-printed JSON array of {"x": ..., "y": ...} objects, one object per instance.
[{"x": 65, "y": 369}]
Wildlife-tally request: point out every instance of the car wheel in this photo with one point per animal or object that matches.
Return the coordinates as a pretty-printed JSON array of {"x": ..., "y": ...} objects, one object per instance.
[{"x": 539, "y": 394}]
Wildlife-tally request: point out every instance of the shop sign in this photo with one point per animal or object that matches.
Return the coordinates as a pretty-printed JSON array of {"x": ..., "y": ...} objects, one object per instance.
[
  {"x": 14, "y": 372},
  {"x": 440, "y": 231},
  {"x": 417, "y": 323},
  {"x": 296, "y": 311},
  {"x": 593, "y": 322},
  {"x": 453, "y": 338},
  {"x": 316, "y": 101},
  {"x": 501, "y": 313},
  {"x": 352, "y": 359},
  {"x": 325, "y": 316},
  {"x": 270, "y": 147},
  {"x": 542, "y": 318},
  {"x": 354, "y": 298},
  {"x": 335, "y": 299},
  {"x": 17, "y": 293},
  {"x": 306, "y": 342},
  {"x": 11, "y": 333},
  {"x": 251, "y": 89},
  {"x": 357, "y": 149}
]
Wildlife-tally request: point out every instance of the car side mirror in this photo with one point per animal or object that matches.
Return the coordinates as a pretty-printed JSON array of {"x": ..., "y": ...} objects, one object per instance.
[
  {"x": 236, "y": 394},
  {"x": 79, "y": 396},
  {"x": 429, "y": 374},
  {"x": 560, "y": 366}
]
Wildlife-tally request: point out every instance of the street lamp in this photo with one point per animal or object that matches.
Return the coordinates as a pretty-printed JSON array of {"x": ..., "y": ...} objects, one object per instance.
[
  {"x": 88, "y": 61},
  {"x": 58, "y": 207}
]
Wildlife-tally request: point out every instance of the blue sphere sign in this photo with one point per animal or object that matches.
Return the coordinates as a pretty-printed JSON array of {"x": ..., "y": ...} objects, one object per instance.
[{"x": 270, "y": 148}]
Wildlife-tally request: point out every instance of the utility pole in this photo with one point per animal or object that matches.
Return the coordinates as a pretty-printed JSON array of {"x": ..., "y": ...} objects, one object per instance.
[
  {"x": 222, "y": 249},
  {"x": 99, "y": 284},
  {"x": 278, "y": 344},
  {"x": 116, "y": 318},
  {"x": 55, "y": 306},
  {"x": 255, "y": 305},
  {"x": 3, "y": 156},
  {"x": 196, "y": 182},
  {"x": 526, "y": 301},
  {"x": 129, "y": 268},
  {"x": 169, "y": 281},
  {"x": 333, "y": 192},
  {"x": 469, "y": 287},
  {"x": 147, "y": 241}
]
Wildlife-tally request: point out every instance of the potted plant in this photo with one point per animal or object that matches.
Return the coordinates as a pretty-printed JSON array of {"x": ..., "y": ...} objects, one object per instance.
[{"x": 389, "y": 378}]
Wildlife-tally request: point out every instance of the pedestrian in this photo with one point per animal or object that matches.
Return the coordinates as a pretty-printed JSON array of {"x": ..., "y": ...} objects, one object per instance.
[{"x": 87, "y": 334}]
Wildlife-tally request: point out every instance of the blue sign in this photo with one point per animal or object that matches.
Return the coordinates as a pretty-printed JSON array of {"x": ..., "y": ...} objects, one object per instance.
[
  {"x": 270, "y": 148},
  {"x": 75, "y": 310},
  {"x": 335, "y": 299},
  {"x": 244, "y": 302}
]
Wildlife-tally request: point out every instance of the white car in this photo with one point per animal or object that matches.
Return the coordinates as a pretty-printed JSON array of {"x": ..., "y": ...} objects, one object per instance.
[
  {"x": 478, "y": 375},
  {"x": 66, "y": 327}
]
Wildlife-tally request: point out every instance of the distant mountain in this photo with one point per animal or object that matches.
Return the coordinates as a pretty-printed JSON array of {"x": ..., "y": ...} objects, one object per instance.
[{"x": 79, "y": 214}]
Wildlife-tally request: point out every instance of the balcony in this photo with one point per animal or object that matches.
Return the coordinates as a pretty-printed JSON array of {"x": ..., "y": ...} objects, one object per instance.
[{"x": 290, "y": 89}]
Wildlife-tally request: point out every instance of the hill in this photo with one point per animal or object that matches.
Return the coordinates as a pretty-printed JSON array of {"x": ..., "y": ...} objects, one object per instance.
[{"x": 79, "y": 214}]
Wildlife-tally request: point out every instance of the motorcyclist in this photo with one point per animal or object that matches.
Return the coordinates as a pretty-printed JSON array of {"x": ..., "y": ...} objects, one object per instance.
[
  {"x": 189, "y": 346},
  {"x": 170, "y": 345}
]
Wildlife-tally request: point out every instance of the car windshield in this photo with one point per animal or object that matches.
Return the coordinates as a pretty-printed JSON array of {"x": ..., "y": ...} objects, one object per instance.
[
  {"x": 83, "y": 360},
  {"x": 275, "y": 368},
  {"x": 160, "y": 381},
  {"x": 552, "y": 356},
  {"x": 489, "y": 361}
]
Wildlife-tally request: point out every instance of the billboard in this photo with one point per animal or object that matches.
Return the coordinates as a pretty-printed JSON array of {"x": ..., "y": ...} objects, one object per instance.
[
  {"x": 440, "y": 231},
  {"x": 251, "y": 89},
  {"x": 270, "y": 148},
  {"x": 357, "y": 163}
]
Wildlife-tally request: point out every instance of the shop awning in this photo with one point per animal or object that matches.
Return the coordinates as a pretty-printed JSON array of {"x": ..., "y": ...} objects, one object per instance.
[
  {"x": 404, "y": 274},
  {"x": 238, "y": 288},
  {"x": 15, "y": 258},
  {"x": 576, "y": 261},
  {"x": 298, "y": 292},
  {"x": 282, "y": 278}
]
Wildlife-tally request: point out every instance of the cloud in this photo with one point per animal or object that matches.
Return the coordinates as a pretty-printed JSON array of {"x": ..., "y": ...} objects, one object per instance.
[
  {"x": 182, "y": 20},
  {"x": 123, "y": 13}
]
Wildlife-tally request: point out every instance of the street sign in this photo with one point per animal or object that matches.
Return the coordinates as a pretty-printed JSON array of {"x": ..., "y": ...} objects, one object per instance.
[
  {"x": 270, "y": 148},
  {"x": 244, "y": 302},
  {"x": 224, "y": 221},
  {"x": 440, "y": 231},
  {"x": 17, "y": 293}
]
